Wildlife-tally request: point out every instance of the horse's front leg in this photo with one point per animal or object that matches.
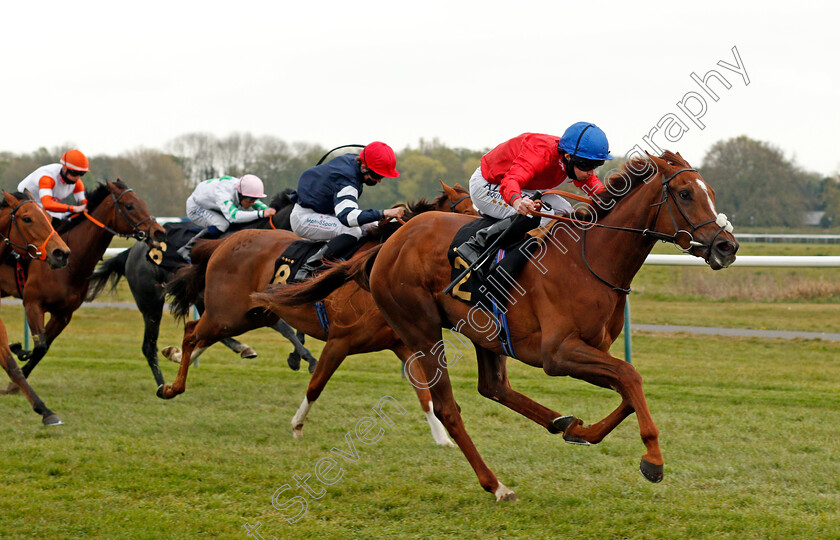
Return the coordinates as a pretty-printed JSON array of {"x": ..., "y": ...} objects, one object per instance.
[
  {"x": 192, "y": 345},
  {"x": 48, "y": 417},
  {"x": 581, "y": 361},
  {"x": 40, "y": 339}
]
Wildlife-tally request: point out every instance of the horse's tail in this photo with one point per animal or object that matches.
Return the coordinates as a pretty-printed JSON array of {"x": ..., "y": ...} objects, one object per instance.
[
  {"x": 185, "y": 289},
  {"x": 113, "y": 269},
  {"x": 306, "y": 292}
]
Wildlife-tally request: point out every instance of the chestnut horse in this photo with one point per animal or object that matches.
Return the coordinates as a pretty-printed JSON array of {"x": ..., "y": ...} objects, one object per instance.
[
  {"x": 27, "y": 232},
  {"x": 569, "y": 312},
  {"x": 113, "y": 209},
  {"x": 244, "y": 263}
]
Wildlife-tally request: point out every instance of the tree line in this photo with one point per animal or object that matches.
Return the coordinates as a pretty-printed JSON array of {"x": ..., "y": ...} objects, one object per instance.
[{"x": 756, "y": 184}]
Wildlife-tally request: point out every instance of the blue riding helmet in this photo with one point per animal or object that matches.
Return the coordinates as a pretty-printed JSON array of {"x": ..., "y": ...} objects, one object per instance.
[{"x": 585, "y": 140}]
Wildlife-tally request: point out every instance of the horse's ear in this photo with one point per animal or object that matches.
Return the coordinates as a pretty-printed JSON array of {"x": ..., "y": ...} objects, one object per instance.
[
  {"x": 451, "y": 193},
  {"x": 30, "y": 195},
  {"x": 10, "y": 199}
]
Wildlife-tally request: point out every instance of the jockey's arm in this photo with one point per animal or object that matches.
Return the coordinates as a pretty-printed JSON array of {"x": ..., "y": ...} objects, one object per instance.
[
  {"x": 47, "y": 197},
  {"x": 234, "y": 214},
  {"x": 347, "y": 209}
]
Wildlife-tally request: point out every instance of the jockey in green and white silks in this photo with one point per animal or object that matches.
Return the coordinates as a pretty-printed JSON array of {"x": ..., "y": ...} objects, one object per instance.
[{"x": 218, "y": 202}]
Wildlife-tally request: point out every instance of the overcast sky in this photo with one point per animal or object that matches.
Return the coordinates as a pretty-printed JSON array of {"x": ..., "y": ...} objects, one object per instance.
[{"x": 110, "y": 77}]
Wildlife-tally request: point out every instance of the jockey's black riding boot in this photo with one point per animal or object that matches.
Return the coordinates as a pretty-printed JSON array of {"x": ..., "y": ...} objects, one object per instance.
[
  {"x": 513, "y": 228},
  {"x": 337, "y": 249},
  {"x": 184, "y": 251}
]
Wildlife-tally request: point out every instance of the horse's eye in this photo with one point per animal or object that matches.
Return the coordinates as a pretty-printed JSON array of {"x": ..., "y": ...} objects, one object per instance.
[
  {"x": 27, "y": 219},
  {"x": 685, "y": 195},
  {"x": 129, "y": 207}
]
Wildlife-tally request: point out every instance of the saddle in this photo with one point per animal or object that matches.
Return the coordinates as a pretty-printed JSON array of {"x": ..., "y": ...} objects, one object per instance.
[
  {"x": 498, "y": 280},
  {"x": 177, "y": 235}
]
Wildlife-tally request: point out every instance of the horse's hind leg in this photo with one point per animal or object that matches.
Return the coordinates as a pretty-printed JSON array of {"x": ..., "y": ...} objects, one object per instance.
[
  {"x": 493, "y": 383},
  {"x": 245, "y": 351},
  {"x": 417, "y": 378},
  {"x": 289, "y": 333},
  {"x": 334, "y": 353},
  {"x": 48, "y": 417}
]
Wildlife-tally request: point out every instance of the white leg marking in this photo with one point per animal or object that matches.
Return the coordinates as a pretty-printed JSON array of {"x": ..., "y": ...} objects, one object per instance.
[
  {"x": 438, "y": 431},
  {"x": 504, "y": 493},
  {"x": 299, "y": 417}
]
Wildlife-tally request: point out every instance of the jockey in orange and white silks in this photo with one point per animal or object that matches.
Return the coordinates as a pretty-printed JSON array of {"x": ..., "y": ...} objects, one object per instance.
[{"x": 53, "y": 183}]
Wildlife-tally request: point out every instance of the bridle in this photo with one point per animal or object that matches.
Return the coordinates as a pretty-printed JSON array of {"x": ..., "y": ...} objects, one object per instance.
[
  {"x": 136, "y": 233},
  {"x": 720, "y": 220},
  {"x": 33, "y": 251},
  {"x": 453, "y": 204}
]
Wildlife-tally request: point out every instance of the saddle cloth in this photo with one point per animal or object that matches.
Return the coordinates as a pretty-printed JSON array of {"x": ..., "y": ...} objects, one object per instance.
[{"x": 499, "y": 280}]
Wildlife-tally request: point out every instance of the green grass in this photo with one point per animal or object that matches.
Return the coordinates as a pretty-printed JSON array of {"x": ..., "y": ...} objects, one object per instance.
[{"x": 748, "y": 431}]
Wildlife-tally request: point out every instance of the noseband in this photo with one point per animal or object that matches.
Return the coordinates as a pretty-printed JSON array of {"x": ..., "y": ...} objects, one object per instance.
[
  {"x": 34, "y": 252},
  {"x": 136, "y": 233}
]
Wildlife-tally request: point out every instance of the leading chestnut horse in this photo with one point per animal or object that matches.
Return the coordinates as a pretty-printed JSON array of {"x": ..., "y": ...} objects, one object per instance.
[
  {"x": 113, "y": 209},
  {"x": 244, "y": 263},
  {"x": 27, "y": 232},
  {"x": 565, "y": 310}
]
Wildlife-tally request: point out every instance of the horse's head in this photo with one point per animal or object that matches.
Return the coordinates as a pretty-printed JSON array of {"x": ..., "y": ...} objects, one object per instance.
[
  {"x": 687, "y": 211},
  {"x": 30, "y": 232},
  {"x": 131, "y": 217},
  {"x": 459, "y": 199}
]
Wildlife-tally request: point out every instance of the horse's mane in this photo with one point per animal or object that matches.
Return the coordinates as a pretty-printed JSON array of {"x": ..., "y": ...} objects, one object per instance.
[
  {"x": 637, "y": 171},
  {"x": 413, "y": 208},
  {"x": 17, "y": 194},
  {"x": 424, "y": 205},
  {"x": 94, "y": 199},
  {"x": 282, "y": 199}
]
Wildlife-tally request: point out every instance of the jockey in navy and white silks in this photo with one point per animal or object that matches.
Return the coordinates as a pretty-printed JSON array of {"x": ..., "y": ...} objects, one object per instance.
[{"x": 327, "y": 206}]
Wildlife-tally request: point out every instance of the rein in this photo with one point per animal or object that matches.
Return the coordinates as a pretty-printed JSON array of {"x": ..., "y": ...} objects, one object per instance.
[
  {"x": 40, "y": 252},
  {"x": 656, "y": 235},
  {"x": 136, "y": 233}
]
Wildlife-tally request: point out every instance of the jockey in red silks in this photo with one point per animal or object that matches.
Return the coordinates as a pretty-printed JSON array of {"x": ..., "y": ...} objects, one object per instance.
[
  {"x": 513, "y": 172},
  {"x": 53, "y": 183}
]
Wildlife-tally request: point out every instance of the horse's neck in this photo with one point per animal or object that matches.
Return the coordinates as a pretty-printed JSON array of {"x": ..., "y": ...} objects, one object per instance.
[
  {"x": 618, "y": 256},
  {"x": 88, "y": 241}
]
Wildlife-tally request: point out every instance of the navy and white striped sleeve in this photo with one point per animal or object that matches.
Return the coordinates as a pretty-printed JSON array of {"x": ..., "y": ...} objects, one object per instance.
[{"x": 347, "y": 208}]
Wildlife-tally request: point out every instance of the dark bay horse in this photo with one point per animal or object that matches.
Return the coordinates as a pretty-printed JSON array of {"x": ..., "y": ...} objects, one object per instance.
[
  {"x": 147, "y": 281},
  {"x": 27, "y": 232},
  {"x": 113, "y": 209},
  {"x": 565, "y": 311},
  {"x": 244, "y": 263}
]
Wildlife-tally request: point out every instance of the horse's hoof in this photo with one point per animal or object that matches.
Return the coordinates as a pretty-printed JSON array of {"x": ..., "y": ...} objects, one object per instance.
[
  {"x": 575, "y": 440},
  {"x": 312, "y": 365},
  {"x": 561, "y": 424},
  {"x": 654, "y": 473},
  {"x": 294, "y": 361},
  {"x": 503, "y": 493},
  {"x": 12, "y": 388},
  {"x": 297, "y": 432},
  {"x": 248, "y": 352},
  {"x": 172, "y": 353},
  {"x": 52, "y": 420},
  {"x": 159, "y": 392}
]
